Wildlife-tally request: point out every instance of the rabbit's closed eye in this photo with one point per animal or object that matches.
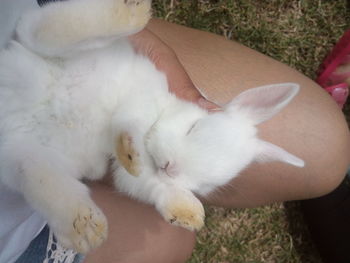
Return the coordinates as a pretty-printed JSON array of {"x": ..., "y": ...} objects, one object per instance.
[{"x": 192, "y": 127}]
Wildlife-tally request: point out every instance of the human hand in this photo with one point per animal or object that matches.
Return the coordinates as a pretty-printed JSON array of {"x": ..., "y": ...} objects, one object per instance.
[{"x": 165, "y": 60}]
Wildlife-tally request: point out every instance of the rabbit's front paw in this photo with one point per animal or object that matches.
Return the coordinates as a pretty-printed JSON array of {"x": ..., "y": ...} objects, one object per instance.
[
  {"x": 187, "y": 213},
  {"x": 127, "y": 154},
  {"x": 87, "y": 230}
]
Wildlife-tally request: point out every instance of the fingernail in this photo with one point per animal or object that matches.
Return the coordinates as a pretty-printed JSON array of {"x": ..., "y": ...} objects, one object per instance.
[{"x": 208, "y": 105}]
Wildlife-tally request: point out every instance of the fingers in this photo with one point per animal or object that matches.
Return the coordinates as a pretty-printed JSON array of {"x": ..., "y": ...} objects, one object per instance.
[
  {"x": 165, "y": 59},
  {"x": 182, "y": 86},
  {"x": 208, "y": 105}
]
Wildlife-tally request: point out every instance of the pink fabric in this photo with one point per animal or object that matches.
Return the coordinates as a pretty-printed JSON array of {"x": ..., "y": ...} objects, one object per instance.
[
  {"x": 339, "y": 92},
  {"x": 334, "y": 82},
  {"x": 338, "y": 56}
]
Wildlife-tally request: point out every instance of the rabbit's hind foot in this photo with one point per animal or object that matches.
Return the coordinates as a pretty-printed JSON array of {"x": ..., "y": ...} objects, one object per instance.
[
  {"x": 185, "y": 212},
  {"x": 87, "y": 231}
]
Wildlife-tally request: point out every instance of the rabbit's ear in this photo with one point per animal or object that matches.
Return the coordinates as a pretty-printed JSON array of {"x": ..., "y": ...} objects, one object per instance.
[
  {"x": 261, "y": 103},
  {"x": 268, "y": 152}
]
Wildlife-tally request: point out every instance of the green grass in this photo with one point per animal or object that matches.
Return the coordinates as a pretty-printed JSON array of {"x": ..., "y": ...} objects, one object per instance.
[{"x": 300, "y": 34}]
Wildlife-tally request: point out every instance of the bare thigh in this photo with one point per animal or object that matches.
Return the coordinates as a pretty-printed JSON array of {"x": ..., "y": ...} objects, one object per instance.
[
  {"x": 311, "y": 127},
  {"x": 137, "y": 233}
]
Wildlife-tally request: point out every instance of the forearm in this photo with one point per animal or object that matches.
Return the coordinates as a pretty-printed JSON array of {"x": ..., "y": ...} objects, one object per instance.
[{"x": 165, "y": 59}]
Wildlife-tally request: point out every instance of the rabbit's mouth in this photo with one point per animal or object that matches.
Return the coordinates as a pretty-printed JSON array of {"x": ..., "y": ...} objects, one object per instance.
[{"x": 170, "y": 169}]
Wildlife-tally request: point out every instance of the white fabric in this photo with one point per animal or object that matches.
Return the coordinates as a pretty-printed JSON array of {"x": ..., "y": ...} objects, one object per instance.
[
  {"x": 59, "y": 254},
  {"x": 19, "y": 224},
  {"x": 10, "y": 10}
]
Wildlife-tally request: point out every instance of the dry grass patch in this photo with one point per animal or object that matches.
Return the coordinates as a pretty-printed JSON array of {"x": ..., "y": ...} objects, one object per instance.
[{"x": 253, "y": 235}]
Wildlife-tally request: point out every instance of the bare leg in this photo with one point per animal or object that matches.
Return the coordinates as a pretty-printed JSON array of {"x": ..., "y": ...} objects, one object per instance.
[
  {"x": 312, "y": 126},
  {"x": 137, "y": 232}
]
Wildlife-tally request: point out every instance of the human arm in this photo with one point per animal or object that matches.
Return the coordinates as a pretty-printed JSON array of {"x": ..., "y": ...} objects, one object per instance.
[{"x": 165, "y": 59}]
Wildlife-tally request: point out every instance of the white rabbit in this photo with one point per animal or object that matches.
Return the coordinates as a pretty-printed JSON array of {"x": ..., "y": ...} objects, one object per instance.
[
  {"x": 55, "y": 112},
  {"x": 72, "y": 95},
  {"x": 192, "y": 151}
]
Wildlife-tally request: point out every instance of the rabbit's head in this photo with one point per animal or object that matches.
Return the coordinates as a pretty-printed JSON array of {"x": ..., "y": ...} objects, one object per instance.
[{"x": 199, "y": 151}]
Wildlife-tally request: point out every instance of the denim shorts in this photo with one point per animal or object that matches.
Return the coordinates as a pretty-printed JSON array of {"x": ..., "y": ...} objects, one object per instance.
[{"x": 45, "y": 249}]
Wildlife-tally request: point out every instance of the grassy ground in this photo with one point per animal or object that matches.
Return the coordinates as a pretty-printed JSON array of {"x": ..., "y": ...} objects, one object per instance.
[{"x": 298, "y": 33}]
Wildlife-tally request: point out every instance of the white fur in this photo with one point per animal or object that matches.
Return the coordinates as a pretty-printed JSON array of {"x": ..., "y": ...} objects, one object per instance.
[
  {"x": 60, "y": 116},
  {"x": 91, "y": 24}
]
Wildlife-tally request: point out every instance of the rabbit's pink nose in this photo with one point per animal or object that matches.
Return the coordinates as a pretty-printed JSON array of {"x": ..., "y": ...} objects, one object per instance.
[
  {"x": 170, "y": 169},
  {"x": 165, "y": 166}
]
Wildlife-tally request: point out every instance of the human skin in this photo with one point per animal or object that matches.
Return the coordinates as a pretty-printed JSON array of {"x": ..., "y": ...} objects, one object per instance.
[{"x": 311, "y": 127}]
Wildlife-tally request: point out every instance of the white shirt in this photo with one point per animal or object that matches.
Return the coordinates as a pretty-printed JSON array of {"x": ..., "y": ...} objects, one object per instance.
[{"x": 19, "y": 223}]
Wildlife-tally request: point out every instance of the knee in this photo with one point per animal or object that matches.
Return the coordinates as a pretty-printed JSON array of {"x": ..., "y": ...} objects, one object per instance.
[
  {"x": 328, "y": 148},
  {"x": 314, "y": 128},
  {"x": 332, "y": 159}
]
